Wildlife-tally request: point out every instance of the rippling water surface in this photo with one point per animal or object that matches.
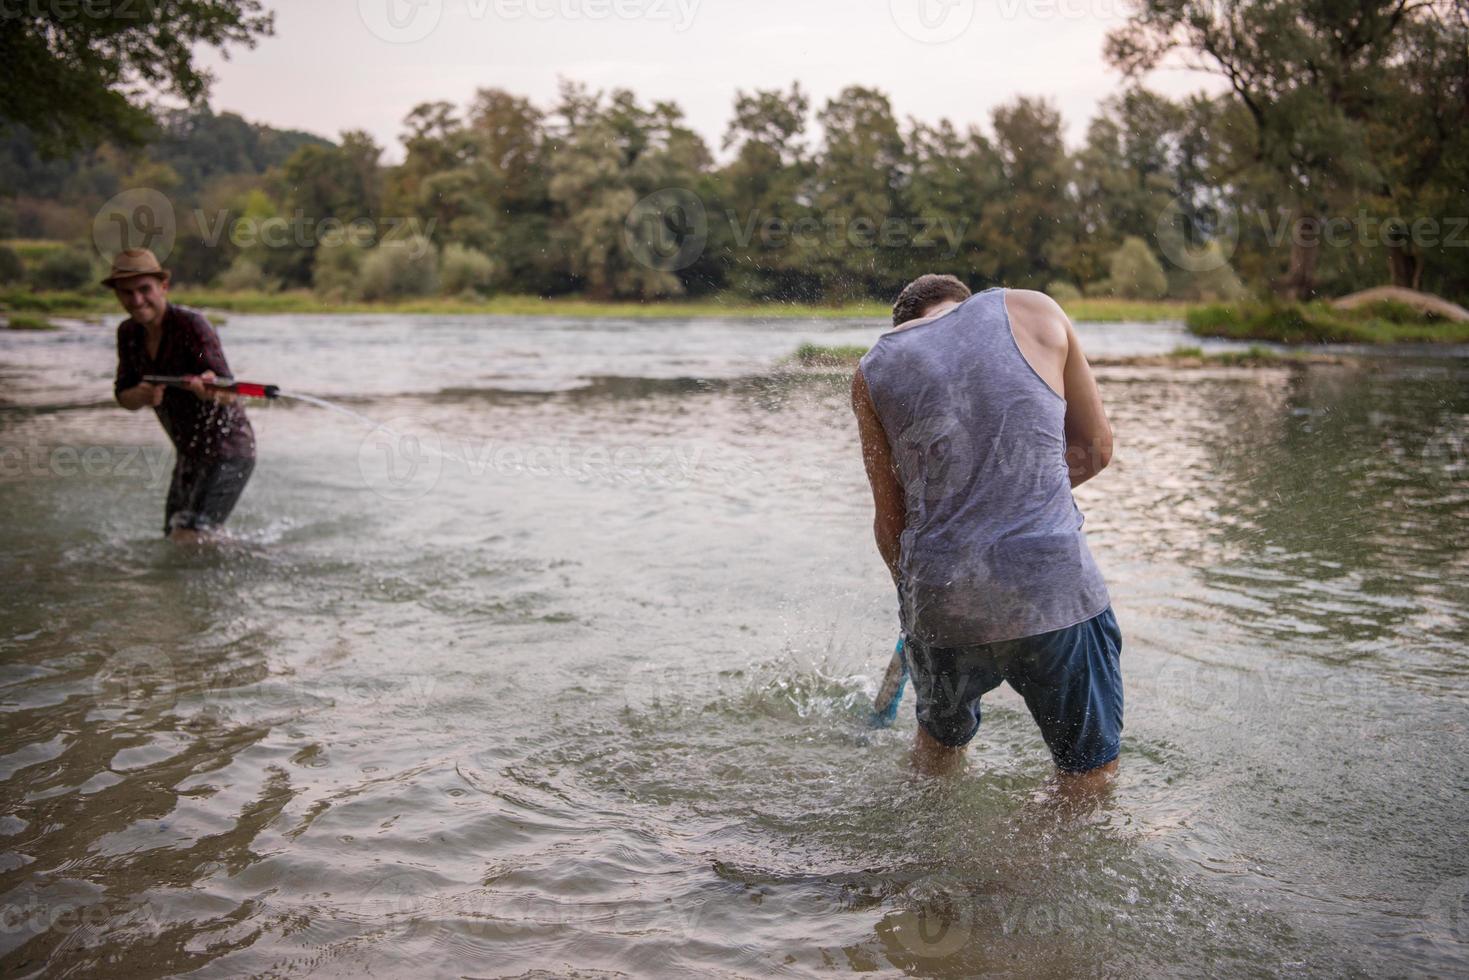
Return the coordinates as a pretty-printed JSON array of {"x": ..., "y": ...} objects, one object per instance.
[{"x": 566, "y": 670}]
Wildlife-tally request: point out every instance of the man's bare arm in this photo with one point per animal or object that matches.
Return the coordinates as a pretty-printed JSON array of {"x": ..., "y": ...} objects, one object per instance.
[
  {"x": 1089, "y": 440},
  {"x": 889, "y": 512}
]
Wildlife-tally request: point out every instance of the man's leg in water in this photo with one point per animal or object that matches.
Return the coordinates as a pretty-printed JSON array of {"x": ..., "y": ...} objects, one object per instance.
[
  {"x": 201, "y": 497},
  {"x": 948, "y": 683},
  {"x": 1086, "y": 787},
  {"x": 932, "y": 757}
]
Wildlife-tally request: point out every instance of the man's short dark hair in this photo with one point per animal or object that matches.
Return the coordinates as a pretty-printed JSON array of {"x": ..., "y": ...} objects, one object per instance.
[{"x": 926, "y": 291}]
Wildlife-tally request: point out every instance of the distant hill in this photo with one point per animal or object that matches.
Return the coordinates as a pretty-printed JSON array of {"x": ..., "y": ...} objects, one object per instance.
[{"x": 197, "y": 145}]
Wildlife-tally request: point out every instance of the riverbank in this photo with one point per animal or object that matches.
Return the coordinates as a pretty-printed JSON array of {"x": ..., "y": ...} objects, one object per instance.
[
  {"x": 92, "y": 303},
  {"x": 846, "y": 357},
  {"x": 1319, "y": 323}
]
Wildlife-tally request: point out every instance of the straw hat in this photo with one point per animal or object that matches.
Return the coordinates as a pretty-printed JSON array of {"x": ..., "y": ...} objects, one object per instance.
[{"x": 134, "y": 262}]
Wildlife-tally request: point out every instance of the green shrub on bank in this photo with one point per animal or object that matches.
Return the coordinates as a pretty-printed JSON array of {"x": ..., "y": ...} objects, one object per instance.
[
  {"x": 1063, "y": 292},
  {"x": 1134, "y": 272},
  {"x": 245, "y": 275},
  {"x": 1394, "y": 312},
  {"x": 395, "y": 270},
  {"x": 63, "y": 268},
  {"x": 12, "y": 268},
  {"x": 838, "y": 355},
  {"x": 334, "y": 272},
  {"x": 58, "y": 302},
  {"x": 1211, "y": 280},
  {"x": 1318, "y": 323},
  {"x": 27, "y": 321},
  {"x": 465, "y": 270}
]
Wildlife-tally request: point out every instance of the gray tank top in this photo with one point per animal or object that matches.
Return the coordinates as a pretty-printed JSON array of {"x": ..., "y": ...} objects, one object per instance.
[{"x": 993, "y": 547}]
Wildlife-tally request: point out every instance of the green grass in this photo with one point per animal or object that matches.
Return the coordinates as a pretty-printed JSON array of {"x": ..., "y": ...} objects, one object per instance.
[
  {"x": 33, "y": 250},
  {"x": 303, "y": 301},
  {"x": 57, "y": 303},
  {"x": 1318, "y": 323},
  {"x": 28, "y": 321},
  {"x": 840, "y": 355}
]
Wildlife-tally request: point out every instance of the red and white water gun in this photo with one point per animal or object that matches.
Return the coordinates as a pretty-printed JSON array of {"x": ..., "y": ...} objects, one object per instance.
[{"x": 249, "y": 389}]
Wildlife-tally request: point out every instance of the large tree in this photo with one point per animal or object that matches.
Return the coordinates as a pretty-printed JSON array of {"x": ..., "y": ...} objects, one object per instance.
[
  {"x": 858, "y": 187},
  {"x": 83, "y": 72},
  {"x": 1309, "y": 74},
  {"x": 622, "y": 177},
  {"x": 764, "y": 194},
  {"x": 1026, "y": 232}
]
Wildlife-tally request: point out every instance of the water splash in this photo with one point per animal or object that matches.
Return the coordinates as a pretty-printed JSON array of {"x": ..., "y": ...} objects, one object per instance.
[{"x": 373, "y": 424}]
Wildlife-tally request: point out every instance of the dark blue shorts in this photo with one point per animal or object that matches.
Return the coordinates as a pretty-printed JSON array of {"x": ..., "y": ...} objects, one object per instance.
[
  {"x": 203, "y": 492},
  {"x": 1071, "y": 679}
]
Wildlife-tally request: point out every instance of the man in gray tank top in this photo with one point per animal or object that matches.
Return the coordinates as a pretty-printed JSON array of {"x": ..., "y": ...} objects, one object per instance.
[{"x": 978, "y": 414}]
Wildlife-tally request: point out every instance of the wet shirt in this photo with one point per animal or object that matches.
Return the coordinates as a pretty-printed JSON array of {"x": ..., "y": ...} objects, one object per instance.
[
  {"x": 199, "y": 430},
  {"x": 993, "y": 547}
]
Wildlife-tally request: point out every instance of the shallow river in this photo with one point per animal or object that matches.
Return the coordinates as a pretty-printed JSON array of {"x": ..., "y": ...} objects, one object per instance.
[{"x": 567, "y": 670}]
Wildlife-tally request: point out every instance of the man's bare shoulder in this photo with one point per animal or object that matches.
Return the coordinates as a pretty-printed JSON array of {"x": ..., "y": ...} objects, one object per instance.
[{"x": 1040, "y": 316}]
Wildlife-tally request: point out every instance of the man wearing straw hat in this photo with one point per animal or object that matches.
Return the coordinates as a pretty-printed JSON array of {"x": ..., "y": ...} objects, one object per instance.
[{"x": 209, "y": 431}]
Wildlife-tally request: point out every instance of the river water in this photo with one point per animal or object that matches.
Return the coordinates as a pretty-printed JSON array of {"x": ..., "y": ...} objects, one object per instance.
[{"x": 567, "y": 668}]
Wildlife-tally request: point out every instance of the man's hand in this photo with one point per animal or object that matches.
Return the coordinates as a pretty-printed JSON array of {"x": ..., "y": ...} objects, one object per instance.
[
  {"x": 199, "y": 384},
  {"x": 141, "y": 395}
]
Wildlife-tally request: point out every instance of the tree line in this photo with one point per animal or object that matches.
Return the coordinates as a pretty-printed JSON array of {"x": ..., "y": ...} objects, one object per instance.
[{"x": 1334, "y": 160}]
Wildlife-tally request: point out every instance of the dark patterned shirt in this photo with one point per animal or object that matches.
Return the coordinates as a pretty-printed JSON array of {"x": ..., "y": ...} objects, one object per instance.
[{"x": 199, "y": 430}]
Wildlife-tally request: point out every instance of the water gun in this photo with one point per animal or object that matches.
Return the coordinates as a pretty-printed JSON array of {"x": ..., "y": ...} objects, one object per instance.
[
  {"x": 249, "y": 389},
  {"x": 885, "y": 705}
]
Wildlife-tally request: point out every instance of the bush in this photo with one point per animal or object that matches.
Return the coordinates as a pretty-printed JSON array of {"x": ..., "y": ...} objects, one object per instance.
[
  {"x": 1395, "y": 312},
  {"x": 12, "y": 269},
  {"x": 463, "y": 269},
  {"x": 245, "y": 275},
  {"x": 1219, "y": 284},
  {"x": 840, "y": 355},
  {"x": 26, "y": 321},
  {"x": 1063, "y": 292},
  {"x": 399, "y": 269},
  {"x": 1135, "y": 272},
  {"x": 334, "y": 271},
  {"x": 1294, "y": 323},
  {"x": 64, "y": 268}
]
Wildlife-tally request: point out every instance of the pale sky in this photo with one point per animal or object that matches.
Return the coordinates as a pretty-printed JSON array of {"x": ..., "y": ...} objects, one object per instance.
[{"x": 363, "y": 64}]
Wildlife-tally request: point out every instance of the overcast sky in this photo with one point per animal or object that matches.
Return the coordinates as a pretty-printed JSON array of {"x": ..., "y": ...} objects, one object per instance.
[{"x": 363, "y": 64}]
